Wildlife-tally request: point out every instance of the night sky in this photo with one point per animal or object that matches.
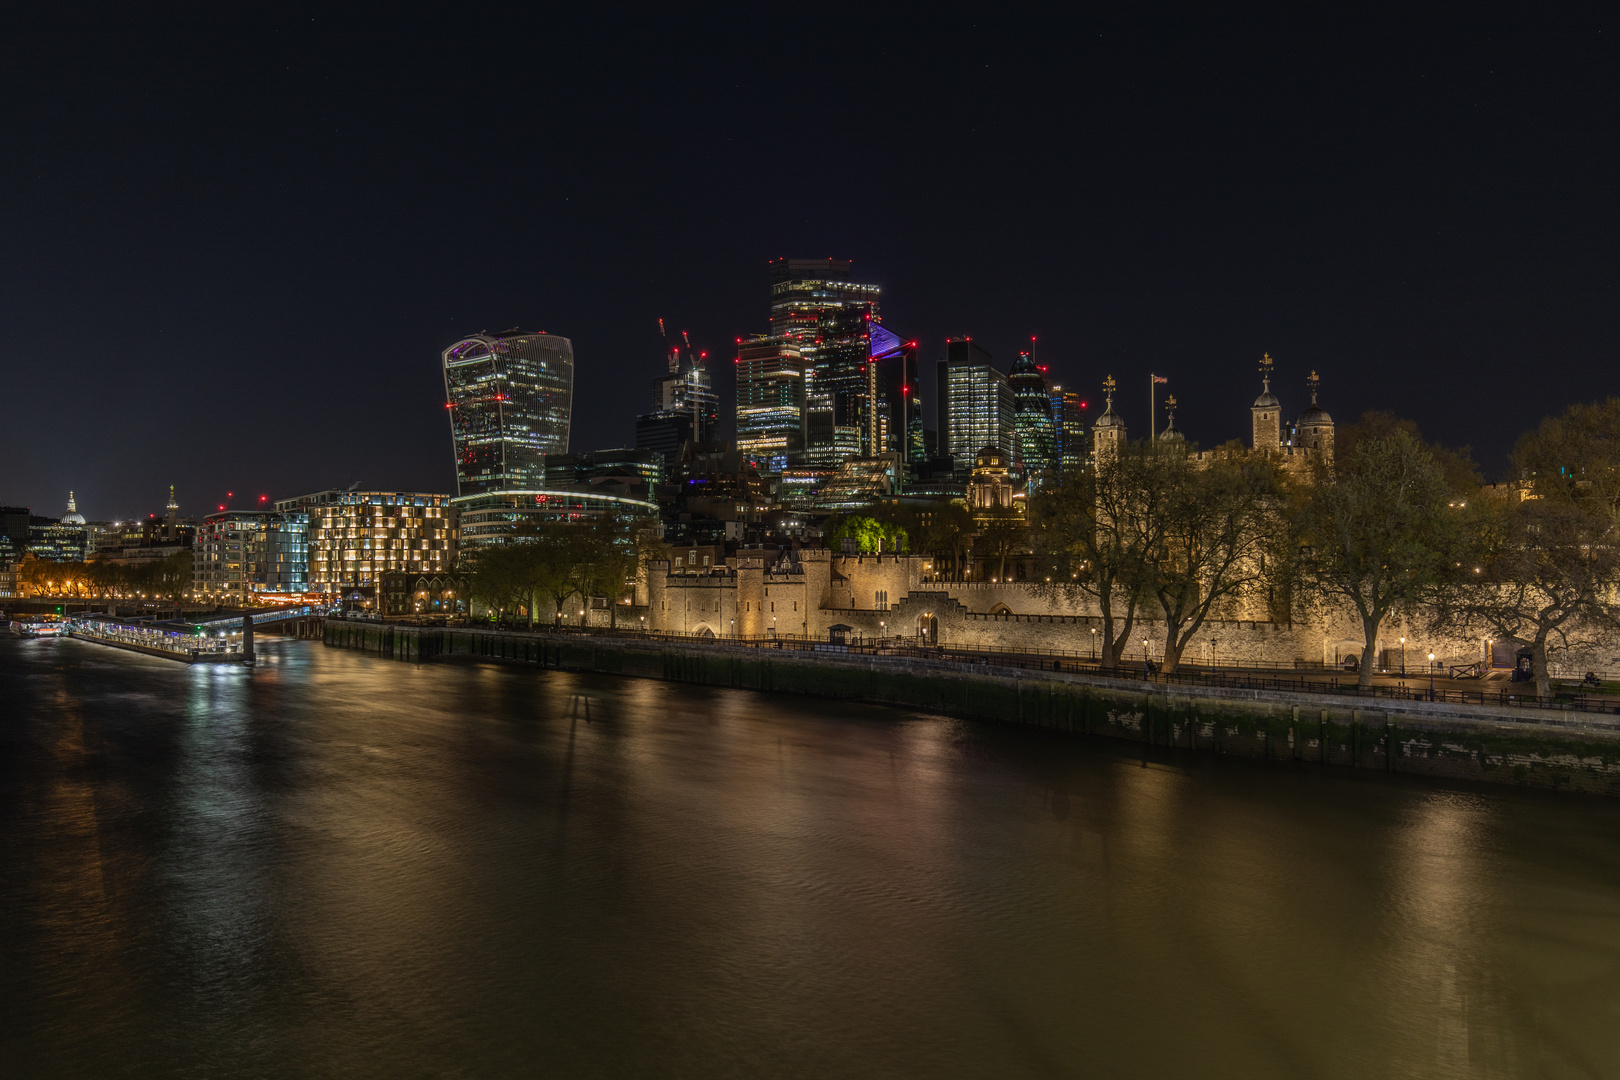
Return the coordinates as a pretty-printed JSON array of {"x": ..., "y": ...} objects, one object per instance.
[{"x": 234, "y": 247}]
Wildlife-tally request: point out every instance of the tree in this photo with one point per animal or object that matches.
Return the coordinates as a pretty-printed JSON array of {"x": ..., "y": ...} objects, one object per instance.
[
  {"x": 1002, "y": 532},
  {"x": 1457, "y": 466},
  {"x": 1575, "y": 457},
  {"x": 869, "y": 532},
  {"x": 942, "y": 532},
  {"x": 1094, "y": 532},
  {"x": 1382, "y": 537},
  {"x": 1548, "y": 565},
  {"x": 560, "y": 563},
  {"x": 610, "y": 560},
  {"x": 1218, "y": 522},
  {"x": 1546, "y": 569},
  {"x": 499, "y": 578}
]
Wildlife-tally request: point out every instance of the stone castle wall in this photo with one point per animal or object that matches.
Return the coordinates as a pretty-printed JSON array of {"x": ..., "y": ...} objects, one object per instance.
[{"x": 894, "y": 596}]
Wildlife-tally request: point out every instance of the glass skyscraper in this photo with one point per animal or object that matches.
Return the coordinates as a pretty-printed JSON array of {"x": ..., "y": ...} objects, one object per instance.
[
  {"x": 510, "y": 397},
  {"x": 976, "y": 405},
  {"x": 817, "y": 305},
  {"x": 770, "y": 403},
  {"x": 1032, "y": 404}
]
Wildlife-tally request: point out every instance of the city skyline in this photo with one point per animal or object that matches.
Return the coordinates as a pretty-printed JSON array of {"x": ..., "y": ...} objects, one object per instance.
[{"x": 209, "y": 209}]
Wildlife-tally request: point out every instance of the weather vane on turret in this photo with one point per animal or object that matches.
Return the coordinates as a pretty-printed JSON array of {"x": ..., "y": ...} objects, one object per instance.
[
  {"x": 1314, "y": 383},
  {"x": 1266, "y": 363},
  {"x": 1108, "y": 390},
  {"x": 1170, "y": 408}
]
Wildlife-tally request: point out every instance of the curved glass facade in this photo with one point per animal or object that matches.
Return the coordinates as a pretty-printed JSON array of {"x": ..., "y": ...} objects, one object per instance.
[{"x": 510, "y": 398}]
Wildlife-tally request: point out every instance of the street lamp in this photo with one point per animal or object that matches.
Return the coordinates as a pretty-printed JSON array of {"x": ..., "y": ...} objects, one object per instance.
[
  {"x": 1431, "y": 676},
  {"x": 1403, "y": 658},
  {"x": 1094, "y": 643}
]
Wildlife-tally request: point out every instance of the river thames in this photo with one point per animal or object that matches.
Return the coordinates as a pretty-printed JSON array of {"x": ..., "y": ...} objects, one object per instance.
[{"x": 338, "y": 866}]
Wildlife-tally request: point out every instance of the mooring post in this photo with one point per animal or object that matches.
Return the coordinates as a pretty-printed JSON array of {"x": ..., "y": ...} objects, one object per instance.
[{"x": 247, "y": 639}]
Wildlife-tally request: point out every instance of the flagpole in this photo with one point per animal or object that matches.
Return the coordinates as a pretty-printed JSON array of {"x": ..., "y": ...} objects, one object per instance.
[{"x": 1153, "y": 403}]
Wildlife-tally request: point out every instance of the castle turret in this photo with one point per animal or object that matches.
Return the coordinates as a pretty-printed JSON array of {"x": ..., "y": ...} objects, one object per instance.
[
  {"x": 1267, "y": 412},
  {"x": 1108, "y": 433},
  {"x": 1170, "y": 434},
  {"x": 1316, "y": 427}
]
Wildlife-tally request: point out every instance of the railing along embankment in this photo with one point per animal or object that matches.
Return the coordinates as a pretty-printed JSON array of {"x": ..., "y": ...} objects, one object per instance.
[{"x": 1277, "y": 719}]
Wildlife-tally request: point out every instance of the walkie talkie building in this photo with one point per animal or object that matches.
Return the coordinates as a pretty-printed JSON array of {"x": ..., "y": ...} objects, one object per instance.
[{"x": 510, "y": 397}]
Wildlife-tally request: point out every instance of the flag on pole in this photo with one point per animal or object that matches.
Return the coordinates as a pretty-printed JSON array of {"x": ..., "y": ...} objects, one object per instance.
[{"x": 1159, "y": 378}]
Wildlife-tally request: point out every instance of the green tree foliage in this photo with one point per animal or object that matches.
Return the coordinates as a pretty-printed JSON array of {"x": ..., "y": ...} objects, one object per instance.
[
  {"x": 1575, "y": 457},
  {"x": 1385, "y": 536},
  {"x": 559, "y": 561},
  {"x": 1457, "y": 466},
  {"x": 614, "y": 552},
  {"x": 872, "y": 533}
]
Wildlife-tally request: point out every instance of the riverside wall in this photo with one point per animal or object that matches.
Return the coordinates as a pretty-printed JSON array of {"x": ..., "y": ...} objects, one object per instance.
[{"x": 1539, "y": 748}]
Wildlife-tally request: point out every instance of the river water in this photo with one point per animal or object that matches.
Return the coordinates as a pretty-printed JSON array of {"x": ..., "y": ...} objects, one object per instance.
[{"x": 339, "y": 866}]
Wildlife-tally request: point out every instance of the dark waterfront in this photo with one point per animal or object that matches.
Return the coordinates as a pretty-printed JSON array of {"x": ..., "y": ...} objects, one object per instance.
[{"x": 334, "y": 865}]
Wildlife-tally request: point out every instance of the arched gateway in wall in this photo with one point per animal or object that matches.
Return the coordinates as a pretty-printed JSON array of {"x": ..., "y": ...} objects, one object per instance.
[{"x": 928, "y": 629}]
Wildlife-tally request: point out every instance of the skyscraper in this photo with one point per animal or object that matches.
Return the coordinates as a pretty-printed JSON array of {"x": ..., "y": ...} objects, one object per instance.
[
  {"x": 1032, "y": 411},
  {"x": 687, "y": 389},
  {"x": 1069, "y": 416},
  {"x": 816, "y": 304},
  {"x": 976, "y": 407},
  {"x": 510, "y": 397},
  {"x": 685, "y": 407},
  {"x": 770, "y": 402}
]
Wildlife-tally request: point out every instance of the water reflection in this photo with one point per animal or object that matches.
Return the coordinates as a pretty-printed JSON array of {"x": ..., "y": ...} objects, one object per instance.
[{"x": 334, "y": 865}]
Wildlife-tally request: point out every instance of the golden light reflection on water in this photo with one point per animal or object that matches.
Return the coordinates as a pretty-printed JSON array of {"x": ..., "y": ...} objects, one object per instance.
[{"x": 359, "y": 867}]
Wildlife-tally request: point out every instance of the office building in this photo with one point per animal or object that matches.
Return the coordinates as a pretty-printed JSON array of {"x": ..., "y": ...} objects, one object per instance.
[
  {"x": 494, "y": 518},
  {"x": 1069, "y": 428},
  {"x": 240, "y": 553},
  {"x": 510, "y": 398},
  {"x": 770, "y": 403},
  {"x": 615, "y": 472},
  {"x": 685, "y": 409},
  {"x": 64, "y": 539},
  {"x": 817, "y": 305},
  {"x": 1032, "y": 413},
  {"x": 976, "y": 407},
  {"x": 354, "y": 536},
  {"x": 664, "y": 434},
  {"x": 687, "y": 390}
]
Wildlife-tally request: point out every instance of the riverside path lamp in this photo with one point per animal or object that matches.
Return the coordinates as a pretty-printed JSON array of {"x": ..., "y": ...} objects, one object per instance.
[
  {"x": 1403, "y": 658},
  {"x": 1094, "y": 643},
  {"x": 1431, "y": 676}
]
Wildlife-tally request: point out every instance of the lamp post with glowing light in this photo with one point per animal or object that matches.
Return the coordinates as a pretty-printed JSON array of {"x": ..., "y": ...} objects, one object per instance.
[{"x": 1431, "y": 676}]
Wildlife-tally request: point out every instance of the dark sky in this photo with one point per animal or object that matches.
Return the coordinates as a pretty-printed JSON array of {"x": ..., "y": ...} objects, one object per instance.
[{"x": 233, "y": 247}]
